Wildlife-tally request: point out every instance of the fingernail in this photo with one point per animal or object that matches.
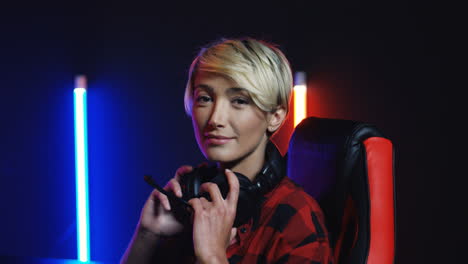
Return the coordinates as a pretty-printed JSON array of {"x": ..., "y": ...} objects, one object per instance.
[{"x": 228, "y": 170}]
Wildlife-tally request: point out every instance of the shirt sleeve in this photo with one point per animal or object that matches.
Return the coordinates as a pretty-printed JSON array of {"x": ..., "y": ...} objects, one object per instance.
[{"x": 304, "y": 238}]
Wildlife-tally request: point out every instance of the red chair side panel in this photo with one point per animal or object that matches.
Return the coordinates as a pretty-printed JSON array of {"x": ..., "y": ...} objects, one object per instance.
[{"x": 379, "y": 153}]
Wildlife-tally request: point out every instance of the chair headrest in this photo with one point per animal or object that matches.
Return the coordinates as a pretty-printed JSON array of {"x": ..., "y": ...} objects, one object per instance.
[{"x": 322, "y": 152}]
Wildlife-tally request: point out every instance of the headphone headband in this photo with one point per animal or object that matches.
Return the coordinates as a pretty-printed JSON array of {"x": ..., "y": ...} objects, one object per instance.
[{"x": 273, "y": 170}]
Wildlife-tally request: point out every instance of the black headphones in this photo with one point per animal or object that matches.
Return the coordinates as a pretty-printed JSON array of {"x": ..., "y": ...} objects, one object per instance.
[{"x": 250, "y": 193}]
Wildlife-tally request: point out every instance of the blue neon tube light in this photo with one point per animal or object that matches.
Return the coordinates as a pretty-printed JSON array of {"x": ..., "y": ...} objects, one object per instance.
[{"x": 81, "y": 166}]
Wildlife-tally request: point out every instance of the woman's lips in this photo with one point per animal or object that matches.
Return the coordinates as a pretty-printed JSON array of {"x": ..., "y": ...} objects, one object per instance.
[{"x": 217, "y": 141}]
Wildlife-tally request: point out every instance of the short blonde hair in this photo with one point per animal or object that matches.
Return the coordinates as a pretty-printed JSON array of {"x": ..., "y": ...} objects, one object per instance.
[{"x": 259, "y": 67}]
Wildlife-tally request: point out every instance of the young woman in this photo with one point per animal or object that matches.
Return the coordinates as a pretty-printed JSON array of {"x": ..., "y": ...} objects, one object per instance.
[{"x": 237, "y": 94}]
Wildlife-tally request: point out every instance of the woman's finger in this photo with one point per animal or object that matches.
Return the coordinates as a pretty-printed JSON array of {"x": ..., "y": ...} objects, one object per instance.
[
  {"x": 174, "y": 186},
  {"x": 203, "y": 203},
  {"x": 196, "y": 205},
  {"x": 162, "y": 199},
  {"x": 232, "y": 238},
  {"x": 213, "y": 190},
  {"x": 154, "y": 200},
  {"x": 182, "y": 170}
]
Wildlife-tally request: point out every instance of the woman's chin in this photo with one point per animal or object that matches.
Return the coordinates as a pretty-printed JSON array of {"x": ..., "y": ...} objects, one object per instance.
[{"x": 219, "y": 156}]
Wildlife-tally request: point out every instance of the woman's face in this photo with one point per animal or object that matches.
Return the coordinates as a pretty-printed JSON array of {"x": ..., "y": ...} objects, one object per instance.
[{"x": 229, "y": 127}]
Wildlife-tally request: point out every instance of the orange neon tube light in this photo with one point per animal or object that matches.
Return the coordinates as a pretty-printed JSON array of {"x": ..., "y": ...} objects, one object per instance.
[{"x": 300, "y": 97}]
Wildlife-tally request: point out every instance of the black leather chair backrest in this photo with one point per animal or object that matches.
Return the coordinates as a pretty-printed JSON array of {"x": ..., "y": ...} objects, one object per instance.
[{"x": 347, "y": 166}]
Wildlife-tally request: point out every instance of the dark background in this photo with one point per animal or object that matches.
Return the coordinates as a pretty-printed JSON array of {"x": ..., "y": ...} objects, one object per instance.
[{"x": 380, "y": 62}]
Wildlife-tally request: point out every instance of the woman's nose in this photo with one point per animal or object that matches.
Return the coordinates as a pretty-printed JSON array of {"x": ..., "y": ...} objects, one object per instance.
[{"x": 218, "y": 115}]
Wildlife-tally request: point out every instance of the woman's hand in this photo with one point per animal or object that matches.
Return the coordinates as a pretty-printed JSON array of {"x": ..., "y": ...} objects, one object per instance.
[
  {"x": 156, "y": 220},
  {"x": 156, "y": 217},
  {"x": 212, "y": 221}
]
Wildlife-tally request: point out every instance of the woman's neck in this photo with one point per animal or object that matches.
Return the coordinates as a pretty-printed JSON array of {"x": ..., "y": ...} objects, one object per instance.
[{"x": 249, "y": 165}]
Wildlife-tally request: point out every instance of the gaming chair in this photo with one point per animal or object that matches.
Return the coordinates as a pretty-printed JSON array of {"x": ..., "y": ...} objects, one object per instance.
[{"x": 348, "y": 167}]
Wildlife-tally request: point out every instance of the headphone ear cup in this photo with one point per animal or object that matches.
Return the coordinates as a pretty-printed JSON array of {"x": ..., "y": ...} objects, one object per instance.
[
  {"x": 223, "y": 185},
  {"x": 190, "y": 182}
]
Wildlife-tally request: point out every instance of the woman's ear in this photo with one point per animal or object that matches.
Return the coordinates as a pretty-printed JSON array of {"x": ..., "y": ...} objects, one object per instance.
[{"x": 276, "y": 119}]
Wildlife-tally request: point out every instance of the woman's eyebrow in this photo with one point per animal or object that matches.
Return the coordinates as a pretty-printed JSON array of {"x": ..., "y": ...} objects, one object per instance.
[
  {"x": 234, "y": 90},
  {"x": 204, "y": 87}
]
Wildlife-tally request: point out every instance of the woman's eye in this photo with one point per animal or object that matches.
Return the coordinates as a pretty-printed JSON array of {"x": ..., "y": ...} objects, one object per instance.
[
  {"x": 240, "y": 101},
  {"x": 203, "y": 99}
]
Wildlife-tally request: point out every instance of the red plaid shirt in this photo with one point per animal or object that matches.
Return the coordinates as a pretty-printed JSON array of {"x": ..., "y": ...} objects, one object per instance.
[{"x": 289, "y": 229}]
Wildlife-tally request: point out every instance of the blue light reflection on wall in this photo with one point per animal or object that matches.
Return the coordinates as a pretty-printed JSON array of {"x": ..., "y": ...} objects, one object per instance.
[{"x": 129, "y": 136}]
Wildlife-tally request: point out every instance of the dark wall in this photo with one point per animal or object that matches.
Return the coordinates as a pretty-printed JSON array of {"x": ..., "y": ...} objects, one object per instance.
[{"x": 380, "y": 63}]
